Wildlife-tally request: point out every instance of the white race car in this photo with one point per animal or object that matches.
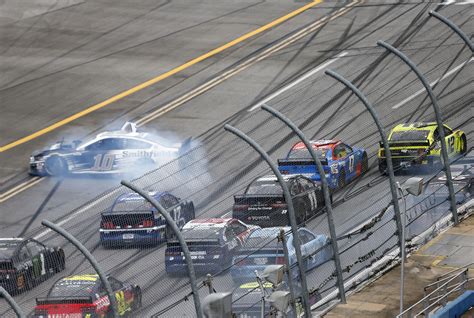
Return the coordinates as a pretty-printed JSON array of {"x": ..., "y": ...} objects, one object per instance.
[{"x": 109, "y": 152}]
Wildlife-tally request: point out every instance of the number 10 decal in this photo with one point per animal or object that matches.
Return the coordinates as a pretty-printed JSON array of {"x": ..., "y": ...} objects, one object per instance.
[{"x": 103, "y": 162}]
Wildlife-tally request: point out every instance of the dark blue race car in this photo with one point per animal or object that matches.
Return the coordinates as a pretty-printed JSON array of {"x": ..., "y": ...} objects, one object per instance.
[
  {"x": 212, "y": 244},
  {"x": 341, "y": 163},
  {"x": 134, "y": 221}
]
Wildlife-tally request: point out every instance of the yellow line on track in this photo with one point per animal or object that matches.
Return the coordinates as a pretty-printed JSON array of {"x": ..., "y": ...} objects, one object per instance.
[{"x": 160, "y": 77}]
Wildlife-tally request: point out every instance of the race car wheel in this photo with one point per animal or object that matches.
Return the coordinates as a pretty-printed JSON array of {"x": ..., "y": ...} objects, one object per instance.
[
  {"x": 463, "y": 144},
  {"x": 365, "y": 163},
  {"x": 56, "y": 166},
  {"x": 341, "y": 181}
]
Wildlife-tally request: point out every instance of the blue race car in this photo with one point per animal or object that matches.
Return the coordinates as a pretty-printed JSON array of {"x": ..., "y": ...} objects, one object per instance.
[
  {"x": 262, "y": 249},
  {"x": 212, "y": 244},
  {"x": 341, "y": 163},
  {"x": 134, "y": 221}
]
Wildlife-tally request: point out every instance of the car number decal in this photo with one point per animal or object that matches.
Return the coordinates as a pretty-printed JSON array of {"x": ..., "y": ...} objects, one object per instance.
[{"x": 103, "y": 162}]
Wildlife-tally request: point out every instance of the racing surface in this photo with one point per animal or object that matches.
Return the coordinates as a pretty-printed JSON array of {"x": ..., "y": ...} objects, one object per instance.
[{"x": 81, "y": 53}]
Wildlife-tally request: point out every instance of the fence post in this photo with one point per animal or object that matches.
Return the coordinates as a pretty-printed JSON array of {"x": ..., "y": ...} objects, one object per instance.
[
  {"x": 177, "y": 232},
  {"x": 291, "y": 212},
  {"x": 454, "y": 27},
  {"x": 90, "y": 258},
  {"x": 281, "y": 237},
  {"x": 439, "y": 122},
  {"x": 388, "y": 154},
  {"x": 19, "y": 313},
  {"x": 327, "y": 196}
]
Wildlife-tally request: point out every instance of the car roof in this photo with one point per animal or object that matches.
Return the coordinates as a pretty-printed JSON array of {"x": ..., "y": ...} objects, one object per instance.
[
  {"x": 273, "y": 178},
  {"x": 416, "y": 125},
  {"x": 132, "y": 196},
  {"x": 322, "y": 143},
  {"x": 81, "y": 278},
  {"x": 268, "y": 232},
  {"x": 209, "y": 223}
]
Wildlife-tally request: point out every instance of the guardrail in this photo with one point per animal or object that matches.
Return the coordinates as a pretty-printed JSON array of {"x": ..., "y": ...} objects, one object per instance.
[{"x": 445, "y": 288}]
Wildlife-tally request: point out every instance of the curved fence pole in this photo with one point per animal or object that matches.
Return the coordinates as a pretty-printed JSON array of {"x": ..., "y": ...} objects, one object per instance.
[
  {"x": 388, "y": 154},
  {"x": 179, "y": 236},
  {"x": 439, "y": 122},
  {"x": 327, "y": 196},
  {"x": 454, "y": 27},
  {"x": 19, "y": 313},
  {"x": 291, "y": 212},
  {"x": 90, "y": 258}
]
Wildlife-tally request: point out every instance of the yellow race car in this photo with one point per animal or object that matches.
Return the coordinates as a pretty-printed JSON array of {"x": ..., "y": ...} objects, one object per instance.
[{"x": 418, "y": 143}]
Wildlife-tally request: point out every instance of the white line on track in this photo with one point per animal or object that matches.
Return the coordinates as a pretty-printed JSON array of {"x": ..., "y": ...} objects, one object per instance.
[
  {"x": 299, "y": 80},
  {"x": 19, "y": 188},
  {"x": 451, "y": 72}
]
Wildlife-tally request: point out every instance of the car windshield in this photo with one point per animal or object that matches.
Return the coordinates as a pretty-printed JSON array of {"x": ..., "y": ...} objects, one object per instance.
[
  {"x": 7, "y": 248},
  {"x": 201, "y": 233},
  {"x": 303, "y": 153},
  {"x": 263, "y": 238},
  {"x": 265, "y": 187},
  {"x": 72, "y": 288},
  {"x": 408, "y": 135}
]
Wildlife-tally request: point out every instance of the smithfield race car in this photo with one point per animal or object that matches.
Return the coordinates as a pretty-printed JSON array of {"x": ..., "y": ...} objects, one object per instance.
[
  {"x": 109, "y": 152},
  {"x": 132, "y": 220},
  {"x": 25, "y": 263},
  {"x": 85, "y": 296},
  {"x": 263, "y": 203},
  {"x": 341, "y": 162},
  {"x": 262, "y": 248},
  {"x": 211, "y": 242},
  {"x": 418, "y": 144}
]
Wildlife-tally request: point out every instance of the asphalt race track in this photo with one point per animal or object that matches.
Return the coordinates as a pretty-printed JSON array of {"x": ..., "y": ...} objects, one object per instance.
[{"x": 61, "y": 57}]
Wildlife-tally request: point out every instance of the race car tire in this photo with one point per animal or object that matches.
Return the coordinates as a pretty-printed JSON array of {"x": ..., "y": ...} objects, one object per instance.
[
  {"x": 365, "y": 163},
  {"x": 137, "y": 301},
  {"x": 463, "y": 144},
  {"x": 56, "y": 166},
  {"x": 341, "y": 181}
]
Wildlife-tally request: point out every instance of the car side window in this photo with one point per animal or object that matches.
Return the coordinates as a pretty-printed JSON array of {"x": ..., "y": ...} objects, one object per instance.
[
  {"x": 339, "y": 151},
  {"x": 23, "y": 254},
  {"x": 238, "y": 228},
  {"x": 294, "y": 190},
  {"x": 35, "y": 248},
  {"x": 106, "y": 144},
  {"x": 348, "y": 149},
  {"x": 447, "y": 131},
  {"x": 436, "y": 134},
  {"x": 307, "y": 185},
  {"x": 136, "y": 144},
  {"x": 168, "y": 201},
  {"x": 115, "y": 284},
  {"x": 229, "y": 234},
  {"x": 303, "y": 237}
]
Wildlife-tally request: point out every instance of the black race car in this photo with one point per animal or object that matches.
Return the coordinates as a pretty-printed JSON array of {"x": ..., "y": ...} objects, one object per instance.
[
  {"x": 85, "y": 296},
  {"x": 25, "y": 263},
  {"x": 134, "y": 221},
  {"x": 263, "y": 202}
]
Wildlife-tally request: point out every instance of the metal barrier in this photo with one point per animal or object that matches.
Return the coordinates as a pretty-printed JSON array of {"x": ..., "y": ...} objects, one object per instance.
[{"x": 446, "y": 287}]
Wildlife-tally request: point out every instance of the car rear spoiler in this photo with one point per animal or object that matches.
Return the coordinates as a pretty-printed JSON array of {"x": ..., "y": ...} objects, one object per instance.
[
  {"x": 63, "y": 300},
  {"x": 107, "y": 213},
  {"x": 420, "y": 143},
  {"x": 301, "y": 162}
]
